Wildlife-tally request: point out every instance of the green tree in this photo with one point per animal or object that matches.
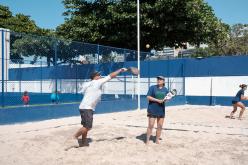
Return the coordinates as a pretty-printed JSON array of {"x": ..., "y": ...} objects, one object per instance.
[
  {"x": 24, "y": 38},
  {"x": 238, "y": 40},
  {"x": 163, "y": 22},
  {"x": 235, "y": 44},
  {"x": 17, "y": 23}
]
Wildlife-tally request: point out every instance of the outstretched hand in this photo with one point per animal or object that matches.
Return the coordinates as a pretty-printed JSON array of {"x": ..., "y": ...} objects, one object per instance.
[{"x": 124, "y": 69}]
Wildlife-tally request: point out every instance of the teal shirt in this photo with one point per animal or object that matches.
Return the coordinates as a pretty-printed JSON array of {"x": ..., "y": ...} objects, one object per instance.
[
  {"x": 155, "y": 108},
  {"x": 53, "y": 96}
]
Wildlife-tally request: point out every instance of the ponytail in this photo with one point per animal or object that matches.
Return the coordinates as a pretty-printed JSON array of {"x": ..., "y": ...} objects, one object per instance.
[{"x": 242, "y": 86}]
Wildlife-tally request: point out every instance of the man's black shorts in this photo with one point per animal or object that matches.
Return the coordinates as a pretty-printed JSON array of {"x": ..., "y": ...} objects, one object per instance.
[{"x": 86, "y": 117}]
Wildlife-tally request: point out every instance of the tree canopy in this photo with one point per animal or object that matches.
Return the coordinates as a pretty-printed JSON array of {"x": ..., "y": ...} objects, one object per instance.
[
  {"x": 18, "y": 23},
  {"x": 163, "y": 22},
  {"x": 25, "y": 41},
  {"x": 235, "y": 44},
  {"x": 114, "y": 23}
]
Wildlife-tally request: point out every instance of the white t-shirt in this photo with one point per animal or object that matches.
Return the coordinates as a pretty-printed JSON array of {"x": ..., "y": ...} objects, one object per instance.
[{"x": 92, "y": 93}]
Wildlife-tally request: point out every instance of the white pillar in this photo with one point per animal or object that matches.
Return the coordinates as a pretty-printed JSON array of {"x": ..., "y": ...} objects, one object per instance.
[{"x": 4, "y": 53}]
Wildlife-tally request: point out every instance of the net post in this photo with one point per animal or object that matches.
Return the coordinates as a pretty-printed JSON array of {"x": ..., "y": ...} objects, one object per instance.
[{"x": 138, "y": 49}]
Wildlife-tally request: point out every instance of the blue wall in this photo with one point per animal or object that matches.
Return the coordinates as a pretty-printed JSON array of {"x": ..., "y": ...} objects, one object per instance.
[
  {"x": 217, "y": 66},
  {"x": 11, "y": 99},
  {"x": 212, "y": 66},
  {"x": 10, "y": 115},
  {"x": 14, "y": 99},
  {"x": 211, "y": 100},
  {"x": 38, "y": 113}
]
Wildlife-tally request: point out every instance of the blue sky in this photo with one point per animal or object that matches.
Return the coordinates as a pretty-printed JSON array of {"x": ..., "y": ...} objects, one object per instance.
[
  {"x": 230, "y": 11},
  {"x": 48, "y": 13}
]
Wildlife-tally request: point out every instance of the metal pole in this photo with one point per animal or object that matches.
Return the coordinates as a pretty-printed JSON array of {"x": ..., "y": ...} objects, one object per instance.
[
  {"x": 183, "y": 72},
  {"x": 98, "y": 50},
  {"x": 76, "y": 79},
  {"x": 6, "y": 65},
  {"x": 211, "y": 91},
  {"x": 125, "y": 85},
  {"x": 60, "y": 85},
  {"x": 20, "y": 79},
  {"x": 133, "y": 93},
  {"x": 55, "y": 63},
  {"x": 2, "y": 68},
  {"x": 149, "y": 76},
  {"x": 168, "y": 71},
  {"x": 124, "y": 55},
  {"x": 41, "y": 77},
  {"x": 125, "y": 78},
  {"x": 138, "y": 49}
]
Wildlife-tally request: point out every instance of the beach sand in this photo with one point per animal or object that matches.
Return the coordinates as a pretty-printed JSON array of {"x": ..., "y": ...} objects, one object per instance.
[{"x": 191, "y": 135}]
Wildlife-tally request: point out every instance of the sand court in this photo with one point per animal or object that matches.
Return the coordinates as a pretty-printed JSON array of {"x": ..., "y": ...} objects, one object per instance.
[{"x": 191, "y": 135}]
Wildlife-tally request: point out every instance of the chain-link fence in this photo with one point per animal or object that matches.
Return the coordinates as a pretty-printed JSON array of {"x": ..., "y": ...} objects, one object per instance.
[{"x": 50, "y": 71}]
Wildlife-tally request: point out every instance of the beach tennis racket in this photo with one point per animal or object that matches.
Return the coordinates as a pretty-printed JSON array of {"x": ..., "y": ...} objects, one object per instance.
[
  {"x": 133, "y": 70},
  {"x": 171, "y": 94}
]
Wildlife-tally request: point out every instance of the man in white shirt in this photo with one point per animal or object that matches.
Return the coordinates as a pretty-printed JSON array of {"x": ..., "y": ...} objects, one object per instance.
[{"x": 92, "y": 95}]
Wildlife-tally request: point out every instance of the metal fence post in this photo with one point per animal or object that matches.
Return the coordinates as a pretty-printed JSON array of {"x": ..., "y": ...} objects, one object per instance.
[
  {"x": 76, "y": 79},
  {"x": 20, "y": 83},
  {"x": 41, "y": 77},
  {"x": 55, "y": 64},
  {"x": 149, "y": 73},
  {"x": 124, "y": 55},
  {"x": 125, "y": 84},
  {"x": 183, "y": 73},
  {"x": 2, "y": 68},
  {"x": 60, "y": 85},
  {"x": 98, "y": 50},
  {"x": 168, "y": 71},
  {"x": 125, "y": 76}
]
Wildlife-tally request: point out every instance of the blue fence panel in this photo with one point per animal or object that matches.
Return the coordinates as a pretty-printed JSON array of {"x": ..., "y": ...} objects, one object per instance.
[
  {"x": 38, "y": 113},
  {"x": 217, "y": 66},
  {"x": 211, "y": 100},
  {"x": 214, "y": 66}
]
